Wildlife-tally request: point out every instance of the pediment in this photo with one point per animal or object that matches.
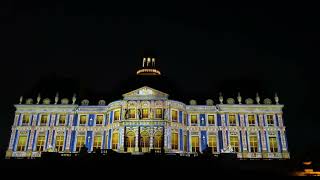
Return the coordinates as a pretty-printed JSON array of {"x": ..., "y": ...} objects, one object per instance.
[{"x": 145, "y": 93}]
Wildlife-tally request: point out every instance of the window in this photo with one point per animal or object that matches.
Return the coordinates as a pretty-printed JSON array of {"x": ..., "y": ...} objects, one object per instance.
[
  {"x": 211, "y": 120},
  {"x": 145, "y": 113},
  {"x": 130, "y": 142},
  {"x": 97, "y": 142},
  {"x": 159, "y": 113},
  {"x": 83, "y": 119},
  {"x": 234, "y": 142},
  {"x": 213, "y": 143},
  {"x": 80, "y": 142},
  {"x": 59, "y": 143},
  {"x": 62, "y": 119},
  {"x": 145, "y": 141},
  {"x": 185, "y": 119},
  {"x": 270, "y": 120},
  {"x": 174, "y": 141},
  {"x": 194, "y": 119},
  {"x": 117, "y": 115},
  {"x": 22, "y": 143},
  {"x": 273, "y": 144},
  {"x": 174, "y": 115},
  {"x": 40, "y": 143},
  {"x": 44, "y": 119},
  {"x": 253, "y": 143},
  {"x": 115, "y": 137},
  {"x": 26, "y": 119},
  {"x": 195, "y": 143},
  {"x": 232, "y": 120},
  {"x": 158, "y": 140},
  {"x": 99, "y": 119},
  {"x": 251, "y": 120},
  {"x": 132, "y": 113},
  {"x": 185, "y": 143}
]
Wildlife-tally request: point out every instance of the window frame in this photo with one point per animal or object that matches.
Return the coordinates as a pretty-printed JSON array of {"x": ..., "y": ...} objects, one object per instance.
[
  {"x": 40, "y": 144},
  {"x": 61, "y": 143},
  {"x": 214, "y": 119},
  {"x": 232, "y": 143},
  {"x": 161, "y": 110},
  {"x": 197, "y": 119},
  {"x": 175, "y": 136},
  {"x": 254, "y": 120},
  {"x": 96, "y": 120},
  {"x": 273, "y": 147},
  {"x": 46, "y": 121},
  {"x": 86, "y": 118},
  {"x": 235, "y": 120},
  {"x": 172, "y": 115},
  {"x": 256, "y": 149},
  {"x": 59, "y": 122},
  {"x": 21, "y": 148}
]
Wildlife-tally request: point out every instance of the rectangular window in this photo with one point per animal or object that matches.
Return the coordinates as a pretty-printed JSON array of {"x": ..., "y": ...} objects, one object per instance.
[
  {"x": 159, "y": 114},
  {"x": 213, "y": 143},
  {"x": 145, "y": 113},
  {"x": 83, "y": 120},
  {"x": 80, "y": 142},
  {"x": 174, "y": 141},
  {"x": 117, "y": 115},
  {"x": 251, "y": 120},
  {"x": 99, "y": 119},
  {"x": 185, "y": 119},
  {"x": 185, "y": 143},
  {"x": 26, "y": 119},
  {"x": 253, "y": 143},
  {"x": 232, "y": 120},
  {"x": 174, "y": 116},
  {"x": 59, "y": 143},
  {"x": 270, "y": 120},
  {"x": 115, "y": 140},
  {"x": 211, "y": 120},
  {"x": 44, "y": 119},
  {"x": 62, "y": 119},
  {"x": 273, "y": 144},
  {"x": 194, "y": 119},
  {"x": 40, "y": 143},
  {"x": 132, "y": 113},
  {"x": 22, "y": 143},
  {"x": 97, "y": 142},
  {"x": 234, "y": 142},
  {"x": 195, "y": 143}
]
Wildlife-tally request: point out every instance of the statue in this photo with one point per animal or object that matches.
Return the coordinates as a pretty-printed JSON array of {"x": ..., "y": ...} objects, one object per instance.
[
  {"x": 56, "y": 99},
  {"x": 21, "y": 99},
  {"x": 74, "y": 98}
]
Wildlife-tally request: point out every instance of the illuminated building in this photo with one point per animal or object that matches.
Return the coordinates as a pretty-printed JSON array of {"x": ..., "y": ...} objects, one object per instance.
[{"x": 146, "y": 119}]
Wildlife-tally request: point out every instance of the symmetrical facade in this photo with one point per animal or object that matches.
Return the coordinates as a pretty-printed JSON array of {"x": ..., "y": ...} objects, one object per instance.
[{"x": 147, "y": 119}]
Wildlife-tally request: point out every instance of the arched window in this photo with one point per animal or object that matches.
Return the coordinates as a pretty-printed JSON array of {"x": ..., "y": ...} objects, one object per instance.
[
  {"x": 145, "y": 141},
  {"x": 157, "y": 141},
  {"x": 115, "y": 138},
  {"x": 130, "y": 143}
]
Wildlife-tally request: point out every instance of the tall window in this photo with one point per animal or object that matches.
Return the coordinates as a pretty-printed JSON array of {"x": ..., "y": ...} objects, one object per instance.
[
  {"x": 254, "y": 143},
  {"x": 270, "y": 120},
  {"x": 211, "y": 120},
  {"x": 81, "y": 139},
  {"x": 59, "y": 143},
  {"x": 115, "y": 137},
  {"x": 26, "y": 119},
  {"x": 62, "y": 119},
  {"x": 157, "y": 140},
  {"x": 117, "y": 115},
  {"x": 22, "y": 143},
  {"x": 83, "y": 120},
  {"x": 159, "y": 113},
  {"x": 99, "y": 119},
  {"x": 174, "y": 115},
  {"x": 251, "y": 120},
  {"x": 97, "y": 142},
  {"x": 174, "y": 141},
  {"x": 273, "y": 144},
  {"x": 44, "y": 119},
  {"x": 194, "y": 119},
  {"x": 145, "y": 141},
  {"x": 185, "y": 119},
  {"x": 185, "y": 143},
  {"x": 195, "y": 143},
  {"x": 145, "y": 113},
  {"x": 40, "y": 143},
  {"x": 130, "y": 143},
  {"x": 132, "y": 113},
  {"x": 234, "y": 142},
  {"x": 213, "y": 143},
  {"x": 232, "y": 120}
]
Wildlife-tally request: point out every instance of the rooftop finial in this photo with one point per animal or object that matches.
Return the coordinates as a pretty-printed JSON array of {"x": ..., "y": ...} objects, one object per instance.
[
  {"x": 38, "y": 98},
  {"x": 276, "y": 98},
  {"x": 220, "y": 98},
  {"x": 21, "y": 99},
  {"x": 74, "y": 98},
  {"x": 239, "y": 98},
  {"x": 257, "y": 98},
  {"x": 56, "y": 99}
]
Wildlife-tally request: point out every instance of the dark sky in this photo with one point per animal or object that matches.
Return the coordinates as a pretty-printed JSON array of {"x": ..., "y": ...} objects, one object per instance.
[{"x": 203, "y": 49}]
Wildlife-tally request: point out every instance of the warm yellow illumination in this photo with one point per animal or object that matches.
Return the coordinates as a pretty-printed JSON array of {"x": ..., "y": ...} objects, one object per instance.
[
  {"x": 59, "y": 143},
  {"x": 174, "y": 141},
  {"x": 148, "y": 72}
]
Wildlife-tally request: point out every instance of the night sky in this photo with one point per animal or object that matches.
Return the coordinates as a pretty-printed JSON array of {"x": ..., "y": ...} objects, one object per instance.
[{"x": 203, "y": 49}]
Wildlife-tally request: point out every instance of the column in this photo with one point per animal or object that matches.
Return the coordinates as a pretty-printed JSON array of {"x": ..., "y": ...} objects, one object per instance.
[
  {"x": 68, "y": 141},
  {"x": 121, "y": 139},
  {"x": 151, "y": 133},
  {"x": 136, "y": 148},
  {"x": 224, "y": 131},
  {"x": 243, "y": 119}
]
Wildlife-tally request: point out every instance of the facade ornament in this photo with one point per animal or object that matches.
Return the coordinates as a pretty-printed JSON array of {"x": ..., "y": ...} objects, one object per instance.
[
  {"x": 239, "y": 98},
  {"x": 230, "y": 101},
  {"x": 56, "y": 99},
  {"x": 193, "y": 102},
  {"x": 102, "y": 103},
  {"x": 85, "y": 102},
  {"x": 65, "y": 101},
  {"x": 209, "y": 102},
  {"x": 21, "y": 99},
  {"x": 267, "y": 101},
  {"x": 29, "y": 101},
  {"x": 74, "y": 98},
  {"x": 38, "y": 98},
  {"x": 220, "y": 98},
  {"x": 276, "y": 98},
  {"x": 46, "y": 101},
  {"x": 249, "y": 101},
  {"x": 257, "y": 98}
]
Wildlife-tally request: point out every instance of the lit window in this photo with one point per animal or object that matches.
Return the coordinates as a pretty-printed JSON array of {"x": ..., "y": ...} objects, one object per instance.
[
  {"x": 174, "y": 115},
  {"x": 213, "y": 143},
  {"x": 174, "y": 141},
  {"x": 83, "y": 119},
  {"x": 273, "y": 144},
  {"x": 132, "y": 113},
  {"x": 130, "y": 142},
  {"x": 211, "y": 120},
  {"x": 234, "y": 142},
  {"x": 115, "y": 137},
  {"x": 232, "y": 120},
  {"x": 185, "y": 143},
  {"x": 44, "y": 120},
  {"x": 159, "y": 113},
  {"x": 117, "y": 115},
  {"x": 97, "y": 142},
  {"x": 40, "y": 143},
  {"x": 158, "y": 140},
  {"x": 195, "y": 143},
  {"x": 22, "y": 143},
  {"x": 270, "y": 120},
  {"x": 59, "y": 143},
  {"x": 99, "y": 120},
  {"x": 62, "y": 119},
  {"x": 253, "y": 144},
  {"x": 145, "y": 141},
  {"x": 251, "y": 120},
  {"x": 80, "y": 142},
  {"x": 26, "y": 119},
  {"x": 194, "y": 119},
  {"x": 145, "y": 113}
]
